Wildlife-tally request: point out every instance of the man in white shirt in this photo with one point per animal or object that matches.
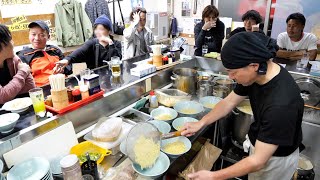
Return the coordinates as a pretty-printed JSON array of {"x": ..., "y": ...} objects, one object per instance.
[{"x": 294, "y": 43}]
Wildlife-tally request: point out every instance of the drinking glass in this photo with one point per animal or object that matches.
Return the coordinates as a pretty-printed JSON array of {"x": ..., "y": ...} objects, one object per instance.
[{"x": 37, "y": 98}]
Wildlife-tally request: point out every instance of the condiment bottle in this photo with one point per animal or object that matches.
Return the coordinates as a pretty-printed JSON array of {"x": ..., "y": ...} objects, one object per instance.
[
  {"x": 76, "y": 94},
  {"x": 153, "y": 100},
  {"x": 84, "y": 91},
  {"x": 70, "y": 167},
  {"x": 165, "y": 60}
]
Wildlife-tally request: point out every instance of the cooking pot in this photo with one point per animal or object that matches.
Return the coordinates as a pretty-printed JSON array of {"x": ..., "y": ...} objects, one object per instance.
[
  {"x": 205, "y": 88},
  {"x": 242, "y": 121},
  {"x": 223, "y": 81},
  {"x": 221, "y": 91},
  {"x": 185, "y": 79}
]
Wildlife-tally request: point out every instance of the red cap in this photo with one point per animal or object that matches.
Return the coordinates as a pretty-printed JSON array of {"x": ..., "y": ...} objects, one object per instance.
[{"x": 151, "y": 93}]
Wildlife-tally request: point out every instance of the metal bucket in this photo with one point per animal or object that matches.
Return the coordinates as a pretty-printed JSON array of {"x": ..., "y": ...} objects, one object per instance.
[{"x": 185, "y": 79}]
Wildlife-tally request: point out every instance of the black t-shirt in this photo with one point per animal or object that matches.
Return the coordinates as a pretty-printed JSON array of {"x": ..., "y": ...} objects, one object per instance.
[
  {"x": 5, "y": 76},
  {"x": 278, "y": 109}
]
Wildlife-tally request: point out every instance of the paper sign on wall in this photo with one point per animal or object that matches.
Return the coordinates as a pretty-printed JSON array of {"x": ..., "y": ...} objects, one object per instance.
[
  {"x": 12, "y": 2},
  {"x": 18, "y": 19}
]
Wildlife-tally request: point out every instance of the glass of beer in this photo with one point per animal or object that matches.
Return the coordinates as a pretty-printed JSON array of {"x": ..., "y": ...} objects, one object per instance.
[
  {"x": 114, "y": 65},
  {"x": 37, "y": 98}
]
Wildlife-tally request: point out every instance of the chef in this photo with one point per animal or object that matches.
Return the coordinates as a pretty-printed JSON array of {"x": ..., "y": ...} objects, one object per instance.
[{"x": 277, "y": 106}]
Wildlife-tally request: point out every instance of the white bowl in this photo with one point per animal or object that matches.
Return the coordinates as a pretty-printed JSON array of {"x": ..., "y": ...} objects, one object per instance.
[
  {"x": 208, "y": 102},
  {"x": 18, "y": 105},
  {"x": 179, "y": 122},
  {"x": 161, "y": 166},
  {"x": 8, "y": 121},
  {"x": 183, "y": 139},
  {"x": 164, "y": 110},
  {"x": 31, "y": 169},
  {"x": 162, "y": 126},
  {"x": 189, "y": 109}
]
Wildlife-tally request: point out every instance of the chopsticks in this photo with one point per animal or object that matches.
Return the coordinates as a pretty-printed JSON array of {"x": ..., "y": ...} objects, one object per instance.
[{"x": 57, "y": 82}]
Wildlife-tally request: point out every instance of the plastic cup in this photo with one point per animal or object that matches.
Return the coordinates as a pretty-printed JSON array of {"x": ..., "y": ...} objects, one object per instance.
[{"x": 37, "y": 98}]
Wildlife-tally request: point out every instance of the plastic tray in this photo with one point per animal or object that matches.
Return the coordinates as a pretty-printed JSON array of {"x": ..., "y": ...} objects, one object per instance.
[{"x": 75, "y": 105}]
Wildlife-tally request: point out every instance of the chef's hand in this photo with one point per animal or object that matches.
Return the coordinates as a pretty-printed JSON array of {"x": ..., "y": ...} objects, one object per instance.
[
  {"x": 255, "y": 28},
  {"x": 60, "y": 65},
  {"x": 201, "y": 175},
  {"x": 190, "y": 128},
  {"x": 23, "y": 67},
  {"x": 208, "y": 25},
  {"x": 136, "y": 18}
]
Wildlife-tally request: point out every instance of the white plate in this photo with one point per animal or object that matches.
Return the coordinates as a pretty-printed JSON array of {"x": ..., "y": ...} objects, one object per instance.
[{"x": 17, "y": 105}]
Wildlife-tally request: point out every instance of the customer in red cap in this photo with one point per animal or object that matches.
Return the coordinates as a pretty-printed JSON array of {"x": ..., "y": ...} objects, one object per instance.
[{"x": 15, "y": 77}]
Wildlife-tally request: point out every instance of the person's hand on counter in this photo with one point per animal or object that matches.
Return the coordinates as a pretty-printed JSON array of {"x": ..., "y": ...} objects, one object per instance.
[
  {"x": 201, "y": 175},
  {"x": 60, "y": 65},
  {"x": 208, "y": 25},
  {"x": 190, "y": 128}
]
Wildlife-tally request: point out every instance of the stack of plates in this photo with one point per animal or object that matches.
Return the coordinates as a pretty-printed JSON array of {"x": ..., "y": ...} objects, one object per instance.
[{"x": 33, "y": 169}]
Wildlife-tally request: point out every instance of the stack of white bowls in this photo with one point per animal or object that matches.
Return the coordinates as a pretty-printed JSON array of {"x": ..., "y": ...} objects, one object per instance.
[{"x": 36, "y": 168}]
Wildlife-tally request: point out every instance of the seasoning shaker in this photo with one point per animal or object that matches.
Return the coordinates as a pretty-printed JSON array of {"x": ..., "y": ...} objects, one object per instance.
[{"x": 70, "y": 167}]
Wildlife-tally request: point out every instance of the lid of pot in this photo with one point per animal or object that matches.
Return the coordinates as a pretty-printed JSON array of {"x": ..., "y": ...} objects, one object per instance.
[{"x": 309, "y": 90}]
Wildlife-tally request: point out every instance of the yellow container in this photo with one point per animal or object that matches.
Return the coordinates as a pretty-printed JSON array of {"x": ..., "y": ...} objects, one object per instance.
[{"x": 86, "y": 146}]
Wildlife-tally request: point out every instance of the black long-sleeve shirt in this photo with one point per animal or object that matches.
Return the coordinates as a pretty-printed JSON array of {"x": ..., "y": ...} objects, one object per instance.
[
  {"x": 212, "y": 38},
  {"x": 87, "y": 53}
]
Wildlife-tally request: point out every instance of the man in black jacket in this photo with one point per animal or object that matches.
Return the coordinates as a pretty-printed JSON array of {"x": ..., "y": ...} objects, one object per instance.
[{"x": 209, "y": 32}]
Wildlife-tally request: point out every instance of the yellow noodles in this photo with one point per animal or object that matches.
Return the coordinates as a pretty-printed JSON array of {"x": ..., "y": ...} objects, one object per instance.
[
  {"x": 246, "y": 109},
  {"x": 164, "y": 117},
  {"x": 209, "y": 105},
  {"x": 188, "y": 111},
  {"x": 177, "y": 147},
  {"x": 146, "y": 152}
]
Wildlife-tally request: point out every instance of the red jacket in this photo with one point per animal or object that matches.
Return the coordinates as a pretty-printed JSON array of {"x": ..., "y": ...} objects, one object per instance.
[{"x": 21, "y": 82}]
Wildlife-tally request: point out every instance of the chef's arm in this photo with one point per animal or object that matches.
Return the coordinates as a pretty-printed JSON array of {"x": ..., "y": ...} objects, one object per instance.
[
  {"x": 291, "y": 55},
  {"x": 252, "y": 163},
  {"x": 224, "y": 107}
]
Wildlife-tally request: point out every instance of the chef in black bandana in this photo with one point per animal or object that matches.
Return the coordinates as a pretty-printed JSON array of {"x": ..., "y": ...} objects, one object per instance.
[{"x": 275, "y": 135}]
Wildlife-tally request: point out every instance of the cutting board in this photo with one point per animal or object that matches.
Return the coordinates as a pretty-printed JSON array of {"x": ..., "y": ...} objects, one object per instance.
[{"x": 49, "y": 145}]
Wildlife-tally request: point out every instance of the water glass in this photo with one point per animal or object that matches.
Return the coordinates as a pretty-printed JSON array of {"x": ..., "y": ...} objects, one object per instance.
[
  {"x": 204, "y": 49},
  {"x": 84, "y": 73},
  {"x": 37, "y": 98},
  {"x": 303, "y": 63}
]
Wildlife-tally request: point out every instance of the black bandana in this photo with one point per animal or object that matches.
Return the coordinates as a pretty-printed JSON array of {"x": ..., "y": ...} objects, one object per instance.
[{"x": 247, "y": 47}]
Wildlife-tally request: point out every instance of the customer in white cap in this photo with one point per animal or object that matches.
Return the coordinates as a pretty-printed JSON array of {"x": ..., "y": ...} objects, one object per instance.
[{"x": 98, "y": 49}]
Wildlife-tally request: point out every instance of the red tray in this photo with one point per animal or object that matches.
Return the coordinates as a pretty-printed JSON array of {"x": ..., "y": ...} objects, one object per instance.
[{"x": 75, "y": 105}]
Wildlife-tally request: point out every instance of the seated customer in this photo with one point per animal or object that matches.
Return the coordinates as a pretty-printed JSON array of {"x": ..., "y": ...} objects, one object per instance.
[
  {"x": 137, "y": 37},
  {"x": 96, "y": 50},
  {"x": 210, "y": 31},
  {"x": 250, "y": 19},
  {"x": 15, "y": 77},
  {"x": 294, "y": 43},
  {"x": 41, "y": 57}
]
